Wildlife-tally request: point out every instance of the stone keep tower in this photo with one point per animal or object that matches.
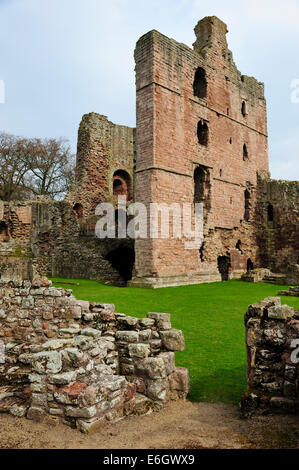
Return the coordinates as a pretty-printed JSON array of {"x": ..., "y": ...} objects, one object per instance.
[{"x": 201, "y": 137}]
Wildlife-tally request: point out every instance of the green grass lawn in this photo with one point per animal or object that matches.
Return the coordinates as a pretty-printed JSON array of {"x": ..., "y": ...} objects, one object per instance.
[{"x": 211, "y": 317}]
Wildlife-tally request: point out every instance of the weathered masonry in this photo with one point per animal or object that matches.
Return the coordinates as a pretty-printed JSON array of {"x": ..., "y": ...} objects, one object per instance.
[
  {"x": 200, "y": 137},
  {"x": 272, "y": 358},
  {"x": 80, "y": 363}
]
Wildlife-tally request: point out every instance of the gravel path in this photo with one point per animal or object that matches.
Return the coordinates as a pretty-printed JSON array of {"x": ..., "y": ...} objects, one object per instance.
[{"x": 180, "y": 425}]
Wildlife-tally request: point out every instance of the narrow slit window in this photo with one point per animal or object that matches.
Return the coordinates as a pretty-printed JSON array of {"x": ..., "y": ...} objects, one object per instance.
[
  {"x": 245, "y": 152},
  {"x": 203, "y": 133},
  {"x": 246, "y": 205},
  {"x": 270, "y": 213}
]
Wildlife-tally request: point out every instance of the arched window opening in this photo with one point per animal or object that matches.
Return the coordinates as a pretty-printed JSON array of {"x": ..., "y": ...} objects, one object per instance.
[
  {"x": 246, "y": 205},
  {"x": 203, "y": 133},
  {"x": 245, "y": 152},
  {"x": 270, "y": 213},
  {"x": 250, "y": 265},
  {"x": 243, "y": 109},
  {"x": 200, "y": 83},
  {"x": 224, "y": 267},
  {"x": 4, "y": 235},
  {"x": 78, "y": 209},
  {"x": 121, "y": 184}
]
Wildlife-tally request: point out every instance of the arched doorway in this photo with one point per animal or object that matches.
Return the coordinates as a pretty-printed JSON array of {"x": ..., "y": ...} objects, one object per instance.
[
  {"x": 122, "y": 259},
  {"x": 224, "y": 266},
  {"x": 250, "y": 265}
]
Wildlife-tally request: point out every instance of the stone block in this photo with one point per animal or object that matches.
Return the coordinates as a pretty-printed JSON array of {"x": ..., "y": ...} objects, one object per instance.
[
  {"x": 173, "y": 340},
  {"x": 47, "y": 362},
  {"x": 152, "y": 367},
  {"x": 36, "y": 414},
  {"x": 139, "y": 350},
  {"x": 157, "y": 389},
  {"x": 64, "y": 378},
  {"x": 179, "y": 380},
  {"x": 91, "y": 426},
  {"x": 281, "y": 312},
  {"x": 162, "y": 320},
  {"x": 127, "y": 336},
  {"x": 86, "y": 412}
]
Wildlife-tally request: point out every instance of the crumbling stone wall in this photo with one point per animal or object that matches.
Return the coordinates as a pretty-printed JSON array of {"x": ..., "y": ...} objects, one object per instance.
[
  {"x": 81, "y": 363},
  {"x": 103, "y": 149},
  {"x": 222, "y": 130},
  {"x": 15, "y": 224},
  {"x": 272, "y": 360},
  {"x": 201, "y": 136},
  {"x": 277, "y": 217}
]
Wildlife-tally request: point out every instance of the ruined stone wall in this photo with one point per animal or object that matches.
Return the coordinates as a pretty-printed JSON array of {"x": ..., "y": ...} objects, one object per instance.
[
  {"x": 64, "y": 246},
  {"x": 277, "y": 217},
  {"x": 168, "y": 148},
  {"x": 45, "y": 236},
  {"x": 272, "y": 360},
  {"x": 103, "y": 149},
  {"x": 80, "y": 363},
  {"x": 15, "y": 224}
]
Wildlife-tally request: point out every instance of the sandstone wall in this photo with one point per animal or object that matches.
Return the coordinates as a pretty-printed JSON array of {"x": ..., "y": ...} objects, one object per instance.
[
  {"x": 169, "y": 152},
  {"x": 278, "y": 239},
  {"x": 80, "y": 363},
  {"x": 103, "y": 149},
  {"x": 272, "y": 360}
]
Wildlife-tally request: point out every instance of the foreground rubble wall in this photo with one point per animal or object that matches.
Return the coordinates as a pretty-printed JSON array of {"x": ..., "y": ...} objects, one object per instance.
[
  {"x": 272, "y": 340},
  {"x": 80, "y": 363}
]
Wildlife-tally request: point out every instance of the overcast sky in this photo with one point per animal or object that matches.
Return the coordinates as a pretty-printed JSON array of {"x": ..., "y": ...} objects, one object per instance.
[{"x": 61, "y": 59}]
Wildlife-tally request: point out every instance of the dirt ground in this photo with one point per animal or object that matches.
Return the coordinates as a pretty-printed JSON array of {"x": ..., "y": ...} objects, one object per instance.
[{"x": 179, "y": 425}]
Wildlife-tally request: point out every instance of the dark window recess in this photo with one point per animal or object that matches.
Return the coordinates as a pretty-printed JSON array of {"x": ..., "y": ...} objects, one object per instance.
[
  {"x": 4, "y": 236},
  {"x": 270, "y": 213},
  {"x": 202, "y": 189},
  {"x": 201, "y": 250},
  {"x": 246, "y": 205},
  {"x": 78, "y": 209},
  {"x": 243, "y": 109},
  {"x": 245, "y": 152},
  {"x": 200, "y": 83},
  {"x": 239, "y": 246},
  {"x": 203, "y": 133}
]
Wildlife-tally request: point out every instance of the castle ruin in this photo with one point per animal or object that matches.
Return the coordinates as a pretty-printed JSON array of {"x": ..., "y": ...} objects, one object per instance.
[{"x": 201, "y": 136}]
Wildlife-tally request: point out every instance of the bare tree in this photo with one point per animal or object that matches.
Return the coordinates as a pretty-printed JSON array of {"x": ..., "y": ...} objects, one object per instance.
[
  {"x": 13, "y": 167},
  {"x": 31, "y": 167},
  {"x": 51, "y": 168}
]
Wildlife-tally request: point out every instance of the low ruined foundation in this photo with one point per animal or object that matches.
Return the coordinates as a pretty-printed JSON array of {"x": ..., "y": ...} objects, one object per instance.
[{"x": 70, "y": 361}]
